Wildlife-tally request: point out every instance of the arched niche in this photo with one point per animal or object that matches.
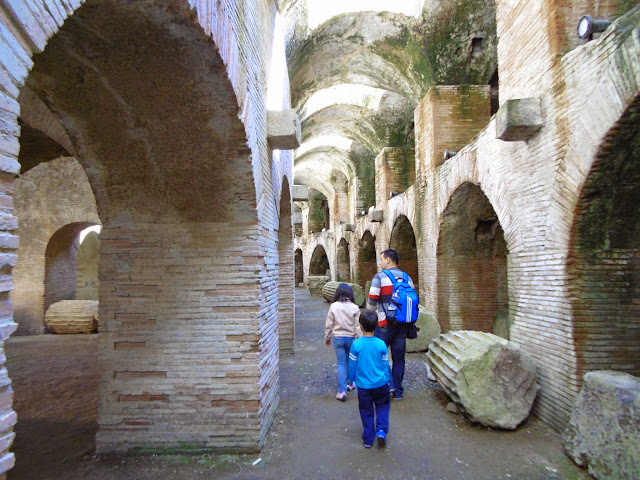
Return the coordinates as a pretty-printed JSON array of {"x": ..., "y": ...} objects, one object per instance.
[
  {"x": 60, "y": 264},
  {"x": 286, "y": 321},
  {"x": 604, "y": 259},
  {"x": 367, "y": 259},
  {"x": 318, "y": 211},
  {"x": 343, "y": 262},
  {"x": 319, "y": 264},
  {"x": 472, "y": 265},
  {"x": 299, "y": 273},
  {"x": 403, "y": 241}
]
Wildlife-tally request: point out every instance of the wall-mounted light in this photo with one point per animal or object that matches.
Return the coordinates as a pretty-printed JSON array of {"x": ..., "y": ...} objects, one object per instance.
[
  {"x": 587, "y": 26},
  {"x": 449, "y": 154},
  {"x": 363, "y": 213}
]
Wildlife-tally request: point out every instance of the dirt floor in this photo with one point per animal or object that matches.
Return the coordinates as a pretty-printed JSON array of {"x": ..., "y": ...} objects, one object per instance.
[{"x": 313, "y": 435}]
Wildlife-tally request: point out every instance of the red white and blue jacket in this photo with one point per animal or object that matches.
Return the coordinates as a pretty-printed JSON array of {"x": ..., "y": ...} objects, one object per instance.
[{"x": 381, "y": 291}]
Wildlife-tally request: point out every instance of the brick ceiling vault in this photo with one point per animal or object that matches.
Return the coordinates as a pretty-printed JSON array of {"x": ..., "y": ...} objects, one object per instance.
[{"x": 358, "y": 76}]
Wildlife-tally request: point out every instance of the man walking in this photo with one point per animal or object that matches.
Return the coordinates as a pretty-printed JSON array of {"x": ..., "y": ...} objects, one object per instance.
[{"x": 393, "y": 333}]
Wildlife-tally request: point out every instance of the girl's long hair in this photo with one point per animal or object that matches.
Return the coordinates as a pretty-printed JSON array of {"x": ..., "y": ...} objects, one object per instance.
[{"x": 343, "y": 293}]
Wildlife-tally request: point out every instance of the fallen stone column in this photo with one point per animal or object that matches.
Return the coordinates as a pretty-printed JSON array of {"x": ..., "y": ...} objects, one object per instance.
[
  {"x": 329, "y": 290},
  {"x": 604, "y": 430},
  {"x": 489, "y": 378},
  {"x": 72, "y": 316},
  {"x": 428, "y": 329}
]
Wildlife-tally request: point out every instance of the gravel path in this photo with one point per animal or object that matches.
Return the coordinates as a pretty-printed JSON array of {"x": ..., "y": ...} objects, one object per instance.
[{"x": 313, "y": 435}]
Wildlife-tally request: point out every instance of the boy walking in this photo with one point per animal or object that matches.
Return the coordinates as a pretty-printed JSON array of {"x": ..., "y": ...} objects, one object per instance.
[{"x": 369, "y": 367}]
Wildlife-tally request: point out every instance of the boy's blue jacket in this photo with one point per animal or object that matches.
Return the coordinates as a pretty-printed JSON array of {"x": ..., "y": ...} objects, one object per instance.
[{"x": 369, "y": 363}]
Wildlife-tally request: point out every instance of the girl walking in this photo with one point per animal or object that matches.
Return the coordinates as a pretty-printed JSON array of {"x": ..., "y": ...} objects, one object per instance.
[{"x": 342, "y": 323}]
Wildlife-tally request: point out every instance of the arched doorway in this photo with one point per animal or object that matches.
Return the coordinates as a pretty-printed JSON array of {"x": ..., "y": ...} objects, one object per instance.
[
  {"x": 343, "y": 262},
  {"x": 319, "y": 264},
  {"x": 175, "y": 252},
  {"x": 299, "y": 267},
  {"x": 60, "y": 264},
  {"x": 87, "y": 282},
  {"x": 604, "y": 262},
  {"x": 286, "y": 320},
  {"x": 367, "y": 259},
  {"x": 472, "y": 265},
  {"x": 403, "y": 241}
]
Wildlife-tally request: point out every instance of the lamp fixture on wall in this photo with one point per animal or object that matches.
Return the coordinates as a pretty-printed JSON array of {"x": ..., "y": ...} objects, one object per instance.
[
  {"x": 449, "y": 154},
  {"x": 587, "y": 26}
]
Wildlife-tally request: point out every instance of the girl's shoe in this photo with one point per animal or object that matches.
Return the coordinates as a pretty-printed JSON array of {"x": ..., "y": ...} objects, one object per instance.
[
  {"x": 351, "y": 386},
  {"x": 342, "y": 396}
]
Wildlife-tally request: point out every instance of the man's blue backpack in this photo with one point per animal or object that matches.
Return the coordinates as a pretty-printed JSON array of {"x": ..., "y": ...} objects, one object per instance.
[{"x": 403, "y": 307}]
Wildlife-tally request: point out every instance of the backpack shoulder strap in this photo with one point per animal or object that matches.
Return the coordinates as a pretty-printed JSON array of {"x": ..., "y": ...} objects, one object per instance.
[{"x": 391, "y": 276}]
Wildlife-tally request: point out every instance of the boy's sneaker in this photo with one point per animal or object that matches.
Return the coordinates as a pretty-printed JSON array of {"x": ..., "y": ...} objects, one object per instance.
[
  {"x": 382, "y": 438},
  {"x": 351, "y": 386},
  {"x": 367, "y": 446},
  {"x": 342, "y": 396}
]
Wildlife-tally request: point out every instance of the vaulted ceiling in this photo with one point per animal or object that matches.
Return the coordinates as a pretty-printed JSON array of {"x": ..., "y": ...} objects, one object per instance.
[{"x": 356, "y": 76}]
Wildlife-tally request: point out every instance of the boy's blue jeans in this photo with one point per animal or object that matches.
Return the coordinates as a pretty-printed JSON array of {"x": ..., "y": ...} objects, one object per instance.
[
  {"x": 342, "y": 345},
  {"x": 374, "y": 405}
]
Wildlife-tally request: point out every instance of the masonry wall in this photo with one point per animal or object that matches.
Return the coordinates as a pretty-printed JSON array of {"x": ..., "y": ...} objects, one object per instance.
[
  {"x": 53, "y": 202},
  {"x": 131, "y": 411},
  {"x": 87, "y": 283}
]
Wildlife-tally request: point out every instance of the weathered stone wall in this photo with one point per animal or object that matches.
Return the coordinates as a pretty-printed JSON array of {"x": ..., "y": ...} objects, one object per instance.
[{"x": 53, "y": 203}]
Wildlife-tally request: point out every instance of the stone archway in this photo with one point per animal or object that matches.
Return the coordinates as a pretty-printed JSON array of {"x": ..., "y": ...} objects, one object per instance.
[
  {"x": 60, "y": 264},
  {"x": 319, "y": 264},
  {"x": 472, "y": 265},
  {"x": 367, "y": 259},
  {"x": 604, "y": 259},
  {"x": 286, "y": 320},
  {"x": 403, "y": 241},
  {"x": 152, "y": 145},
  {"x": 299, "y": 273},
  {"x": 343, "y": 265}
]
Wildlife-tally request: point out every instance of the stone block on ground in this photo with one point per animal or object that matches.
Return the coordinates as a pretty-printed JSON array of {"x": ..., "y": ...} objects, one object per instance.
[
  {"x": 316, "y": 282},
  {"x": 73, "y": 316},
  {"x": 329, "y": 290},
  {"x": 428, "y": 330},
  {"x": 604, "y": 431},
  {"x": 490, "y": 379}
]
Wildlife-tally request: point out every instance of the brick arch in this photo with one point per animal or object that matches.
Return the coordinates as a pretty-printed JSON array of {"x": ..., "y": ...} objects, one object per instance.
[
  {"x": 367, "y": 258},
  {"x": 343, "y": 262},
  {"x": 319, "y": 263},
  {"x": 286, "y": 267},
  {"x": 603, "y": 267},
  {"x": 403, "y": 241},
  {"x": 472, "y": 265},
  {"x": 49, "y": 199},
  {"x": 119, "y": 110},
  {"x": 465, "y": 169}
]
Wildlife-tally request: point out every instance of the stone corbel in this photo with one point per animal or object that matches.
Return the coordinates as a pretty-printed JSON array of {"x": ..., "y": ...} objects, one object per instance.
[
  {"x": 519, "y": 119},
  {"x": 300, "y": 193},
  {"x": 376, "y": 216},
  {"x": 283, "y": 129}
]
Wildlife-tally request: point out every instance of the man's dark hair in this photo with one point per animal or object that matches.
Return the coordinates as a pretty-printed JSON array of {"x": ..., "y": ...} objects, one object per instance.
[
  {"x": 343, "y": 293},
  {"x": 369, "y": 320},
  {"x": 392, "y": 255}
]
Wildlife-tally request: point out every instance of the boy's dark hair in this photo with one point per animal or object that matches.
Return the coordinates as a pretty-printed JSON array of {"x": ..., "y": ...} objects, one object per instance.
[
  {"x": 392, "y": 255},
  {"x": 369, "y": 320},
  {"x": 344, "y": 293}
]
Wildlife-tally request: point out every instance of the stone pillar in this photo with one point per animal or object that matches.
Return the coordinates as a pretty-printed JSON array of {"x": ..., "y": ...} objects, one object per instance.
[
  {"x": 448, "y": 118},
  {"x": 395, "y": 172}
]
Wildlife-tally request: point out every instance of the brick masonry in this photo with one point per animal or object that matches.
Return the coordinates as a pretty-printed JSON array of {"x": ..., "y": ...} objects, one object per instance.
[
  {"x": 189, "y": 354},
  {"x": 533, "y": 188}
]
